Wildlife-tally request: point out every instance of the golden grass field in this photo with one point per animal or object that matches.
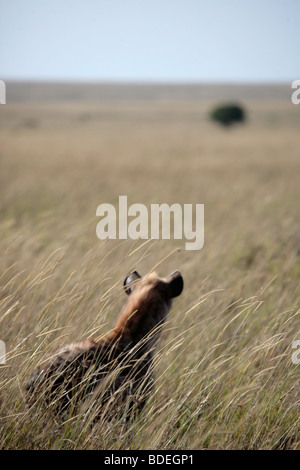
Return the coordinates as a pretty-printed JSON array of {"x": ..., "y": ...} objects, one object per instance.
[{"x": 224, "y": 372}]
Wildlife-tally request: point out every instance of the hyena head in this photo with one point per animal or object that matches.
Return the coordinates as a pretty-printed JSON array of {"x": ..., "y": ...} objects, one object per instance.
[
  {"x": 168, "y": 288},
  {"x": 149, "y": 301}
]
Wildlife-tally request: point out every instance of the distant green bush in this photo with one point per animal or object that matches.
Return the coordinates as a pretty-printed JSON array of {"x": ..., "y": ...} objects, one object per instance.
[{"x": 228, "y": 114}]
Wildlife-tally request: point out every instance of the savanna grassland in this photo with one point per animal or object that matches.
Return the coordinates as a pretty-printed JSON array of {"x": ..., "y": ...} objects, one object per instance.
[{"x": 225, "y": 378}]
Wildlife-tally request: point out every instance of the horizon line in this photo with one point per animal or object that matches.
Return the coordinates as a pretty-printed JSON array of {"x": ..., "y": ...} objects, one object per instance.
[{"x": 146, "y": 82}]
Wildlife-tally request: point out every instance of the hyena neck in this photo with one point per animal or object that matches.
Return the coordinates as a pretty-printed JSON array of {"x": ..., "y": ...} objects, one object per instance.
[{"x": 141, "y": 321}]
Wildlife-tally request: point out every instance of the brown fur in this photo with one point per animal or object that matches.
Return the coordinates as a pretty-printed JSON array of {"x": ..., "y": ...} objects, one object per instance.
[{"x": 121, "y": 361}]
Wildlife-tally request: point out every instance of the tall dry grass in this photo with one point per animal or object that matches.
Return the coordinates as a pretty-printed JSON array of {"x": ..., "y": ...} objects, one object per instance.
[{"x": 224, "y": 373}]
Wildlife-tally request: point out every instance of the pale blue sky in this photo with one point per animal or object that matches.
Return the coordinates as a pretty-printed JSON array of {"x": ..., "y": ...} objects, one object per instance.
[{"x": 150, "y": 40}]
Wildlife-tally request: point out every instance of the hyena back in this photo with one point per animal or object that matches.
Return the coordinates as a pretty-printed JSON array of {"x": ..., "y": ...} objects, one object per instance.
[{"x": 120, "y": 364}]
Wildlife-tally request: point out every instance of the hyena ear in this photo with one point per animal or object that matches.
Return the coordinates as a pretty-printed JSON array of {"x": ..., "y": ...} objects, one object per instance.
[
  {"x": 129, "y": 280},
  {"x": 175, "y": 284}
]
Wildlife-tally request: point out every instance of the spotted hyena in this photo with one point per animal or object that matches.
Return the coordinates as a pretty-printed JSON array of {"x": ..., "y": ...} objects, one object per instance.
[{"x": 116, "y": 371}]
